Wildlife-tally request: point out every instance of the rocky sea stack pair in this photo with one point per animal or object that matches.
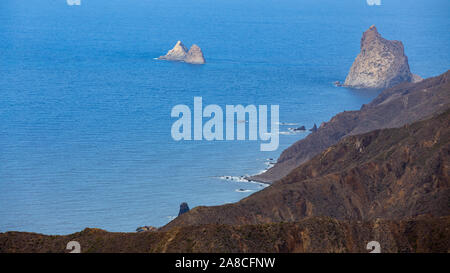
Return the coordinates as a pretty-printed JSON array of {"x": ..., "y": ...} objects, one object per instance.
[
  {"x": 380, "y": 64},
  {"x": 180, "y": 53}
]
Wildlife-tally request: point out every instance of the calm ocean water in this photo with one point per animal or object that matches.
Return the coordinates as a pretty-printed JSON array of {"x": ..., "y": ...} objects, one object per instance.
[{"x": 85, "y": 109}]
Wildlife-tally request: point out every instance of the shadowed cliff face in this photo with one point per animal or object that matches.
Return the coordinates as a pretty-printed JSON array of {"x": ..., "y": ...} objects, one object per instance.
[
  {"x": 391, "y": 174},
  {"x": 380, "y": 64},
  {"x": 309, "y": 235},
  {"x": 394, "y": 107}
]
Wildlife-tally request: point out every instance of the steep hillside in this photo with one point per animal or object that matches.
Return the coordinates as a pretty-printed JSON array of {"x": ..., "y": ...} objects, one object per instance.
[
  {"x": 394, "y": 107},
  {"x": 391, "y": 174},
  {"x": 309, "y": 235}
]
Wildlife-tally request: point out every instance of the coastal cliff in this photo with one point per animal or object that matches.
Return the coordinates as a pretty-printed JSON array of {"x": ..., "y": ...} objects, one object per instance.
[
  {"x": 380, "y": 64},
  {"x": 180, "y": 53},
  {"x": 394, "y": 107},
  {"x": 393, "y": 174},
  {"x": 331, "y": 204}
]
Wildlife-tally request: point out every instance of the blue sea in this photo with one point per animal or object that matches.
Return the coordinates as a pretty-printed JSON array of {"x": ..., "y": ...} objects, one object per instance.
[{"x": 85, "y": 107}]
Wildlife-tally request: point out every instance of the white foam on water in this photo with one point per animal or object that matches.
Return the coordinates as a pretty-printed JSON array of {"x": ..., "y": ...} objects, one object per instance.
[
  {"x": 241, "y": 179},
  {"x": 287, "y": 123},
  {"x": 234, "y": 178},
  {"x": 269, "y": 164},
  {"x": 287, "y": 133}
]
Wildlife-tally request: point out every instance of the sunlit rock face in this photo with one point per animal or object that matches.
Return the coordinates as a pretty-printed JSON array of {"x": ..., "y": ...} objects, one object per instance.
[
  {"x": 380, "y": 64},
  {"x": 177, "y": 53},
  {"x": 180, "y": 53}
]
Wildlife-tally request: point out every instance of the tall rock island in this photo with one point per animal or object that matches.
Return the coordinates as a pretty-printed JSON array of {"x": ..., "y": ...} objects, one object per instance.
[
  {"x": 180, "y": 53},
  {"x": 380, "y": 64}
]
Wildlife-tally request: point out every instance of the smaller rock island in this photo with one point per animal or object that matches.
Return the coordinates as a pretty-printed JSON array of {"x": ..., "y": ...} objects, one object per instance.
[{"x": 180, "y": 53}]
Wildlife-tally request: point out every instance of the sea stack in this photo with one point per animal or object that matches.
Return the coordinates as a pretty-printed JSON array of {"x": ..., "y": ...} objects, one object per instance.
[
  {"x": 380, "y": 64},
  {"x": 183, "y": 208},
  {"x": 177, "y": 53},
  {"x": 180, "y": 53},
  {"x": 195, "y": 55}
]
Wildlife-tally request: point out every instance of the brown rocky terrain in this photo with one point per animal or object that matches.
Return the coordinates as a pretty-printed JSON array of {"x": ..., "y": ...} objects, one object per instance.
[
  {"x": 380, "y": 64},
  {"x": 391, "y": 174},
  {"x": 309, "y": 235},
  {"x": 389, "y": 185},
  {"x": 333, "y": 203},
  {"x": 394, "y": 107}
]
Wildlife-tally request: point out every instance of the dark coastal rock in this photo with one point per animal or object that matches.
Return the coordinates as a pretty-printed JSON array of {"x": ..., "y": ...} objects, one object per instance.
[
  {"x": 195, "y": 55},
  {"x": 183, "y": 208},
  {"x": 146, "y": 229},
  {"x": 180, "y": 53},
  {"x": 380, "y": 64},
  {"x": 337, "y": 83},
  {"x": 394, "y": 107},
  {"x": 314, "y": 128},
  {"x": 301, "y": 128}
]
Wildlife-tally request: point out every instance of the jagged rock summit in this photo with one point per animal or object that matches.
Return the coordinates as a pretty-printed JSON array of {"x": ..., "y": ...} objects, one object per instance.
[
  {"x": 180, "y": 53},
  {"x": 177, "y": 53},
  {"x": 380, "y": 64}
]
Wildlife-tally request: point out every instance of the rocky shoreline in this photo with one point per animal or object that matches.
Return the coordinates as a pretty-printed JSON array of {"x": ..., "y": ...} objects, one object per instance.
[
  {"x": 394, "y": 107},
  {"x": 327, "y": 205}
]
